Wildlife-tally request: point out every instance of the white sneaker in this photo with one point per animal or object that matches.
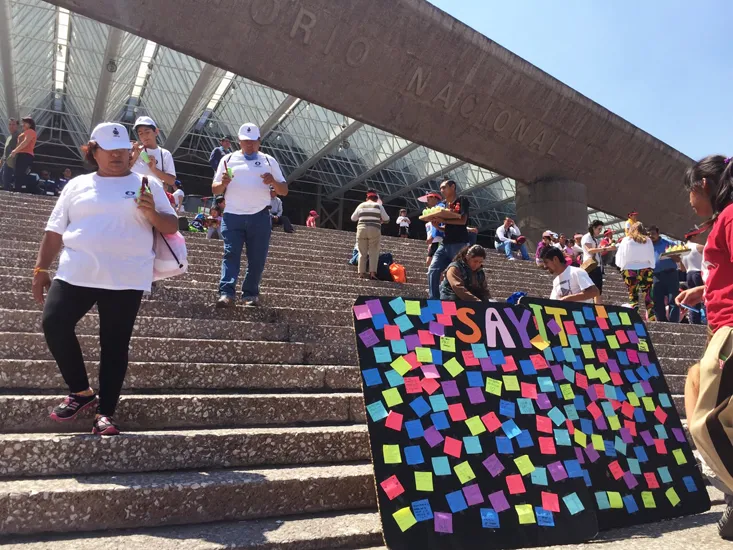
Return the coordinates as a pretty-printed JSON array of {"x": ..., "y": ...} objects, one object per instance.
[{"x": 512, "y": 259}]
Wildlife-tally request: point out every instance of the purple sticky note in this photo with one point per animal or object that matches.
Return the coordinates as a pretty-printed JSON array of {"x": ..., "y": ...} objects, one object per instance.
[
  {"x": 647, "y": 387},
  {"x": 647, "y": 437},
  {"x": 557, "y": 471},
  {"x": 412, "y": 341},
  {"x": 557, "y": 372},
  {"x": 543, "y": 402},
  {"x": 473, "y": 494},
  {"x": 554, "y": 327},
  {"x": 626, "y": 436},
  {"x": 369, "y": 337},
  {"x": 601, "y": 423},
  {"x": 592, "y": 453},
  {"x": 613, "y": 365},
  {"x": 493, "y": 465},
  {"x": 486, "y": 364},
  {"x": 679, "y": 435},
  {"x": 579, "y": 455},
  {"x": 644, "y": 359},
  {"x": 476, "y": 395},
  {"x": 592, "y": 393},
  {"x": 436, "y": 328},
  {"x": 362, "y": 312},
  {"x": 630, "y": 480},
  {"x": 498, "y": 501},
  {"x": 375, "y": 306},
  {"x": 450, "y": 388},
  {"x": 633, "y": 337},
  {"x": 432, "y": 436},
  {"x": 443, "y": 522}
]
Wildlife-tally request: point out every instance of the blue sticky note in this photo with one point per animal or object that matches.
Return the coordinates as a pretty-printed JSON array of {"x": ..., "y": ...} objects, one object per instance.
[
  {"x": 661, "y": 432},
  {"x": 568, "y": 355},
  {"x": 586, "y": 478},
  {"x": 619, "y": 445},
  {"x": 623, "y": 359},
  {"x": 438, "y": 356},
  {"x": 524, "y": 439},
  {"x": 602, "y": 501},
  {"x": 510, "y": 428},
  {"x": 609, "y": 449},
  {"x": 690, "y": 484},
  {"x": 607, "y": 409},
  {"x": 479, "y": 351},
  {"x": 398, "y": 306},
  {"x": 456, "y": 501},
  {"x": 434, "y": 306},
  {"x": 497, "y": 357},
  {"x": 599, "y": 336},
  {"x": 609, "y": 390},
  {"x": 404, "y": 323},
  {"x": 638, "y": 390},
  {"x": 526, "y": 406},
  {"x": 664, "y": 474},
  {"x": 643, "y": 373},
  {"x": 639, "y": 415},
  {"x": 572, "y": 467},
  {"x": 570, "y": 412},
  {"x": 562, "y": 437},
  {"x": 413, "y": 455},
  {"x": 394, "y": 378},
  {"x": 426, "y": 316},
  {"x": 372, "y": 377},
  {"x": 377, "y": 411},
  {"x": 613, "y": 318},
  {"x": 441, "y": 466},
  {"x": 544, "y": 517},
  {"x": 586, "y": 334},
  {"x": 472, "y": 445},
  {"x": 421, "y": 510},
  {"x": 568, "y": 373},
  {"x": 641, "y": 455},
  {"x": 634, "y": 467},
  {"x": 575, "y": 506},
  {"x": 504, "y": 445},
  {"x": 586, "y": 426},
  {"x": 379, "y": 320},
  {"x": 579, "y": 403},
  {"x": 545, "y": 383},
  {"x": 399, "y": 347},
  {"x": 420, "y": 406},
  {"x": 631, "y": 376},
  {"x": 547, "y": 353},
  {"x": 438, "y": 402},
  {"x": 382, "y": 354},
  {"x": 652, "y": 370},
  {"x": 527, "y": 367},
  {"x": 574, "y": 341},
  {"x": 579, "y": 319},
  {"x": 557, "y": 417},
  {"x": 475, "y": 379},
  {"x": 578, "y": 364},
  {"x": 664, "y": 400},
  {"x": 558, "y": 353},
  {"x": 414, "y": 428},
  {"x": 489, "y": 518},
  {"x": 588, "y": 313},
  {"x": 640, "y": 330},
  {"x": 440, "y": 421},
  {"x": 630, "y": 504},
  {"x": 539, "y": 476},
  {"x": 507, "y": 408}
]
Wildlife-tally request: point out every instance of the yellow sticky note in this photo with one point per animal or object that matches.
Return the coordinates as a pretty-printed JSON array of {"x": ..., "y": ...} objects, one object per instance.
[
  {"x": 475, "y": 425},
  {"x": 424, "y": 355},
  {"x": 401, "y": 366},
  {"x": 588, "y": 351},
  {"x": 412, "y": 307},
  {"x": 614, "y": 423},
  {"x": 392, "y": 397},
  {"x": 464, "y": 472},
  {"x": 647, "y": 497},
  {"x": 540, "y": 343},
  {"x": 448, "y": 343},
  {"x": 597, "y": 441},
  {"x": 392, "y": 454},
  {"x": 648, "y": 403},
  {"x": 625, "y": 319},
  {"x": 567, "y": 392},
  {"x": 615, "y": 499},
  {"x": 643, "y": 346},
  {"x": 603, "y": 375},
  {"x": 592, "y": 372},
  {"x": 633, "y": 399},
  {"x": 613, "y": 341},
  {"x": 493, "y": 386},
  {"x": 679, "y": 456},
  {"x": 404, "y": 518},
  {"x": 601, "y": 312},
  {"x": 525, "y": 514},
  {"x": 453, "y": 367},
  {"x": 581, "y": 439},
  {"x": 510, "y": 383},
  {"x": 424, "y": 481},
  {"x": 524, "y": 463},
  {"x": 672, "y": 496}
]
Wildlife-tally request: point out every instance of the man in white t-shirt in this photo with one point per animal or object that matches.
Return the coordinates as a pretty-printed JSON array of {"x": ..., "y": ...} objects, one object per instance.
[
  {"x": 245, "y": 178},
  {"x": 147, "y": 158},
  {"x": 571, "y": 284}
]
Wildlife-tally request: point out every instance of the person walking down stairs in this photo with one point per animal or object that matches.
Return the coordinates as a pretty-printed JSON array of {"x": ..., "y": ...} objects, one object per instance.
[{"x": 369, "y": 216}]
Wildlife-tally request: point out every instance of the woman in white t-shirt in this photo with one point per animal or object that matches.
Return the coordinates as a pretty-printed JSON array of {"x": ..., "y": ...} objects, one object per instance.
[
  {"x": 178, "y": 196},
  {"x": 691, "y": 264},
  {"x": 635, "y": 258},
  {"x": 104, "y": 221},
  {"x": 592, "y": 251}
]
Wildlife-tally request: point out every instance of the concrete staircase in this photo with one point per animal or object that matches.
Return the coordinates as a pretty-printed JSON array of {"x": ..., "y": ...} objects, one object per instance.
[{"x": 242, "y": 428}]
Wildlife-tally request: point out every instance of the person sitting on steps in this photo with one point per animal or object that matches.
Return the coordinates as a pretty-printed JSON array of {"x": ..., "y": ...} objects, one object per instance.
[{"x": 465, "y": 278}]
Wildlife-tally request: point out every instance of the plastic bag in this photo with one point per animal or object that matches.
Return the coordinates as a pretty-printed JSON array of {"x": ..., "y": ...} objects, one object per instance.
[
  {"x": 170, "y": 255},
  {"x": 398, "y": 273}
]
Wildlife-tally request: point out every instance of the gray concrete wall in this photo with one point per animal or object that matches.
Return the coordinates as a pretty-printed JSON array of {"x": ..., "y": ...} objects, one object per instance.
[{"x": 409, "y": 68}]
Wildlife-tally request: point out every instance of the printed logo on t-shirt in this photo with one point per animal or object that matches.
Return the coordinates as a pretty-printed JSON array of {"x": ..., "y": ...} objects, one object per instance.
[
  {"x": 563, "y": 288},
  {"x": 258, "y": 163},
  {"x": 129, "y": 194}
]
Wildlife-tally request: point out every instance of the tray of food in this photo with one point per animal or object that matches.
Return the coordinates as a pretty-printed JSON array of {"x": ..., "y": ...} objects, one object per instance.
[
  {"x": 675, "y": 250},
  {"x": 438, "y": 213}
]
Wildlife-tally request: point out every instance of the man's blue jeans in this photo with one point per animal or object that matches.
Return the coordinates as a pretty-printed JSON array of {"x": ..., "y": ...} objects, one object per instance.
[
  {"x": 441, "y": 260},
  {"x": 7, "y": 176},
  {"x": 666, "y": 285},
  {"x": 238, "y": 231},
  {"x": 508, "y": 248}
]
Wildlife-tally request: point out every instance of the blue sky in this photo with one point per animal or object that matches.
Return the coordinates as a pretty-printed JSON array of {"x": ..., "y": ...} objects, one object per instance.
[{"x": 665, "y": 66}]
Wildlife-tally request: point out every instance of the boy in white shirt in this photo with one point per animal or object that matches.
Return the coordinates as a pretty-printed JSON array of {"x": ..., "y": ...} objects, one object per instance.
[
  {"x": 147, "y": 158},
  {"x": 571, "y": 284},
  {"x": 404, "y": 222}
]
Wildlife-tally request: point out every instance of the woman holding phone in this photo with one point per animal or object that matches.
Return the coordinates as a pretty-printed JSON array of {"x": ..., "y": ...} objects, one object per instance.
[{"x": 104, "y": 221}]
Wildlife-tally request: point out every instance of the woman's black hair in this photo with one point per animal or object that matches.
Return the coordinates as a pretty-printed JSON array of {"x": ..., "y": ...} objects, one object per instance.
[
  {"x": 30, "y": 121},
  {"x": 593, "y": 225},
  {"x": 475, "y": 251},
  {"x": 717, "y": 171}
]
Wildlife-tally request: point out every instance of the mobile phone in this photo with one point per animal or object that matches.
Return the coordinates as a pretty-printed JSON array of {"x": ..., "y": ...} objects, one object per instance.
[
  {"x": 144, "y": 155},
  {"x": 228, "y": 170}
]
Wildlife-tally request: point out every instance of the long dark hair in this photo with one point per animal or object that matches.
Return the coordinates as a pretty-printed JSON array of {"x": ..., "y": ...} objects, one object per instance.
[
  {"x": 717, "y": 171},
  {"x": 468, "y": 252},
  {"x": 88, "y": 150},
  {"x": 30, "y": 121}
]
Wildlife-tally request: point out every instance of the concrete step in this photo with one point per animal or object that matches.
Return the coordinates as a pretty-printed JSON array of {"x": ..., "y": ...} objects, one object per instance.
[
  {"x": 88, "y": 503},
  {"x": 29, "y": 413},
  {"x": 32, "y": 455}
]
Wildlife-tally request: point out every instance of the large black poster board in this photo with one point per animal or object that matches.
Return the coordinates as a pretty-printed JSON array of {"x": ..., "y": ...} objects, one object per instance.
[{"x": 498, "y": 426}]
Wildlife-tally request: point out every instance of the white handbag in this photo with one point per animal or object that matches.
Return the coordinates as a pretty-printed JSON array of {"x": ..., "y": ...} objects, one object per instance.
[{"x": 170, "y": 255}]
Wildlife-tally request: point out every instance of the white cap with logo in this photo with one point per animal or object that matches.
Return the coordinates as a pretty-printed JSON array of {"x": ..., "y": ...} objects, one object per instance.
[
  {"x": 110, "y": 135},
  {"x": 249, "y": 131},
  {"x": 144, "y": 121}
]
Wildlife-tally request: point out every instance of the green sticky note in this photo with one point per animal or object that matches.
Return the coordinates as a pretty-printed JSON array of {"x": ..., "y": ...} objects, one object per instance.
[
  {"x": 424, "y": 355},
  {"x": 612, "y": 341},
  {"x": 412, "y": 307},
  {"x": 603, "y": 375},
  {"x": 643, "y": 346},
  {"x": 647, "y": 497},
  {"x": 567, "y": 392},
  {"x": 679, "y": 456},
  {"x": 588, "y": 351},
  {"x": 493, "y": 386},
  {"x": 614, "y": 423},
  {"x": 392, "y": 397},
  {"x": 625, "y": 320},
  {"x": 633, "y": 399},
  {"x": 672, "y": 496},
  {"x": 591, "y": 372},
  {"x": 615, "y": 500},
  {"x": 401, "y": 366},
  {"x": 475, "y": 425},
  {"x": 597, "y": 441},
  {"x": 464, "y": 472},
  {"x": 404, "y": 518},
  {"x": 525, "y": 513},
  {"x": 448, "y": 343},
  {"x": 510, "y": 383},
  {"x": 453, "y": 367},
  {"x": 524, "y": 463},
  {"x": 424, "y": 481},
  {"x": 581, "y": 439},
  {"x": 392, "y": 454},
  {"x": 648, "y": 403}
]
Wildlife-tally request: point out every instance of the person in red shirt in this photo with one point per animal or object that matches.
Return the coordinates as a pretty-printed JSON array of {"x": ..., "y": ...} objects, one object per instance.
[
  {"x": 709, "y": 384},
  {"x": 311, "y": 221}
]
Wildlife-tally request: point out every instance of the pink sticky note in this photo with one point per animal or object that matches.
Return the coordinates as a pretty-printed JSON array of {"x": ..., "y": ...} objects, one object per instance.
[
  {"x": 456, "y": 412},
  {"x": 362, "y": 312},
  {"x": 473, "y": 494},
  {"x": 411, "y": 358},
  {"x": 444, "y": 319},
  {"x": 602, "y": 323},
  {"x": 547, "y": 445},
  {"x": 412, "y": 384},
  {"x": 515, "y": 484},
  {"x": 394, "y": 421},
  {"x": 470, "y": 359},
  {"x": 570, "y": 327},
  {"x": 602, "y": 355},
  {"x": 661, "y": 446},
  {"x": 529, "y": 390},
  {"x": 449, "y": 308},
  {"x": 430, "y": 371},
  {"x": 443, "y": 522},
  {"x": 544, "y": 424},
  {"x": 426, "y": 338},
  {"x": 616, "y": 379},
  {"x": 594, "y": 410},
  {"x": 430, "y": 385},
  {"x": 452, "y": 446},
  {"x": 621, "y": 336},
  {"x": 581, "y": 380},
  {"x": 651, "y": 480},
  {"x": 660, "y": 415},
  {"x": 631, "y": 426},
  {"x": 392, "y": 332},
  {"x": 538, "y": 361},
  {"x": 492, "y": 422},
  {"x": 550, "y": 501},
  {"x": 633, "y": 355},
  {"x": 627, "y": 409},
  {"x": 616, "y": 470},
  {"x": 510, "y": 365},
  {"x": 392, "y": 487},
  {"x": 554, "y": 327}
]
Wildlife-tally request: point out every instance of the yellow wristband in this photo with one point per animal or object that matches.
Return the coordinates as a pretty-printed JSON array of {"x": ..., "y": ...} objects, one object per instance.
[{"x": 37, "y": 270}]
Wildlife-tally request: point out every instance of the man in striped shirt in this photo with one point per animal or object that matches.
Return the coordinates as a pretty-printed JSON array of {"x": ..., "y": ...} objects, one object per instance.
[{"x": 369, "y": 215}]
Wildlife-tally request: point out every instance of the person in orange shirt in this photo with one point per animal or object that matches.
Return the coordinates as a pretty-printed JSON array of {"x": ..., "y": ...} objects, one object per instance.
[{"x": 23, "y": 155}]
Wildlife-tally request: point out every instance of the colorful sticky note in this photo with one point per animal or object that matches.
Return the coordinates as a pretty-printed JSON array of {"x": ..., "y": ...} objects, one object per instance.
[
  {"x": 443, "y": 522},
  {"x": 550, "y": 501},
  {"x": 540, "y": 343},
  {"x": 672, "y": 496},
  {"x": 498, "y": 501},
  {"x": 489, "y": 518},
  {"x": 493, "y": 465},
  {"x": 575, "y": 506},
  {"x": 424, "y": 355},
  {"x": 647, "y": 498},
  {"x": 448, "y": 343},
  {"x": 392, "y": 487},
  {"x": 401, "y": 366},
  {"x": 679, "y": 456},
  {"x": 394, "y": 421},
  {"x": 412, "y": 307},
  {"x": 511, "y": 383},
  {"x": 475, "y": 425},
  {"x": 392, "y": 397},
  {"x": 377, "y": 411},
  {"x": 456, "y": 501},
  {"x": 464, "y": 472},
  {"x": 391, "y": 454},
  {"x": 453, "y": 367},
  {"x": 441, "y": 466},
  {"x": 424, "y": 481},
  {"x": 614, "y": 498},
  {"x": 524, "y": 464},
  {"x": 493, "y": 386},
  {"x": 404, "y": 518},
  {"x": 525, "y": 513},
  {"x": 515, "y": 484},
  {"x": 422, "y": 510}
]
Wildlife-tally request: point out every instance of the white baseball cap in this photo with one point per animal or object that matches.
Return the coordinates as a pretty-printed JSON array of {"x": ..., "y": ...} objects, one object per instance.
[
  {"x": 249, "y": 131},
  {"x": 110, "y": 135},
  {"x": 144, "y": 121}
]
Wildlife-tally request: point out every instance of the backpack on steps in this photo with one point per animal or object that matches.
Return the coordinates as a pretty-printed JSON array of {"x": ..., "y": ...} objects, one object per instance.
[{"x": 383, "y": 273}]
